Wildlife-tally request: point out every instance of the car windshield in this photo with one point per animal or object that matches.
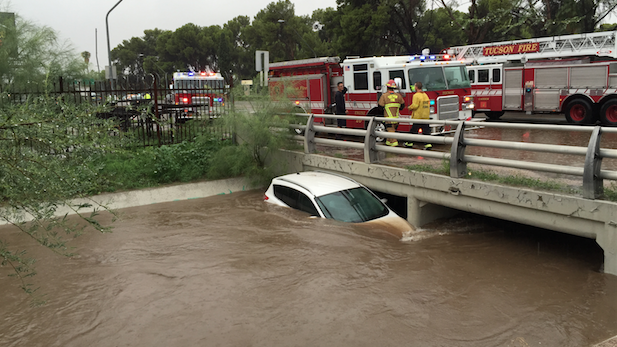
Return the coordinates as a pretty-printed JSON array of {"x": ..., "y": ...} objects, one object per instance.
[{"x": 353, "y": 205}]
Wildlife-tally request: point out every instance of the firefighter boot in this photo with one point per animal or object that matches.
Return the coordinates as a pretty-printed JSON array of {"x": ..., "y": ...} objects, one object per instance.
[
  {"x": 393, "y": 144},
  {"x": 428, "y": 147}
]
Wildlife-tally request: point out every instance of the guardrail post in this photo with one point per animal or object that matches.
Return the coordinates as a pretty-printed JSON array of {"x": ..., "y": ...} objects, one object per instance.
[
  {"x": 370, "y": 142},
  {"x": 309, "y": 136},
  {"x": 458, "y": 166},
  {"x": 593, "y": 185}
]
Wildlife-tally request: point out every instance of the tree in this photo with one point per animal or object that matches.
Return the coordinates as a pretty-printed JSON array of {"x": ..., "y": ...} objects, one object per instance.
[
  {"x": 48, "y": 156},
  {"x": 36, "y": 58},
  {"x": 241, "y": 56},
  {"x": 190, "y": 47}
]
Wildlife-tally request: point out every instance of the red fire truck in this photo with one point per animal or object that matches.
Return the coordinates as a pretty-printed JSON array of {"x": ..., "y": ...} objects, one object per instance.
[
  {"x": 575, "y": 75},
  {"x": 198, "y": 94},
  {"x": 311, "y": 84}
]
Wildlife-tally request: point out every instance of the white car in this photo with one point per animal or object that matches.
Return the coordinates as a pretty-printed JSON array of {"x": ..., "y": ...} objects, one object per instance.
[{"x": 336, "y": 197}]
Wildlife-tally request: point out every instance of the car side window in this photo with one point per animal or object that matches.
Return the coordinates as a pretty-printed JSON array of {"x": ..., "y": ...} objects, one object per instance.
[
  {"x": 305, "y": 204},
  {"x": 286, "y": 195},
  {"x": 295, "y": 199}
]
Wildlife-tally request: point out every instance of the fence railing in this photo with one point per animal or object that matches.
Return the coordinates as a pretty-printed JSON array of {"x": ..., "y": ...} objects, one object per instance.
[
  {"x": 155, "y": 112},
  {"x": 592, "y": 173}
]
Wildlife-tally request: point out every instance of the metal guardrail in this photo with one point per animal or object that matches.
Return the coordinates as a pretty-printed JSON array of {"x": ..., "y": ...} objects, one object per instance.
[{"x": 591, "y": 172}]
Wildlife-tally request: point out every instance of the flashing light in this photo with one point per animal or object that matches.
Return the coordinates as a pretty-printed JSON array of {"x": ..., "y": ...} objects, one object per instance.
[
  {"x": 420, "y": 131},
  {"x": 432, "y": 57},
  {"x": 185, "y": 100},
  {"x": 432, "y": 102},
  {"x": 297, "y": 102},
  {"x": 218, "y": 99},
  {"x": 191, "y": 73},
  {"x": 467, "y": 98},
  {"x": 203, "y": 73}
]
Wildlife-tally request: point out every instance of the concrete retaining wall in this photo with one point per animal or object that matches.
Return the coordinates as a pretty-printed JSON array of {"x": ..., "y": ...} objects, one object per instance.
[{"x": 157, "y": 195}]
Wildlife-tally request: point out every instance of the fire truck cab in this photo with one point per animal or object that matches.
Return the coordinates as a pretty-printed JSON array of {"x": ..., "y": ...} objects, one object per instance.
[
  {"x": 197, "y": 94},
  {"x": 445, "y": 82},
  {"x": 311, "y": 84},
  {"x": 575, "y": 75}
]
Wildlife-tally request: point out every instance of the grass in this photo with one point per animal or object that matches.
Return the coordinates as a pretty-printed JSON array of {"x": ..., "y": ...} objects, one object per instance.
[
  {"x": 509, "y": 180},
  {"x": 154, "y": 166}
]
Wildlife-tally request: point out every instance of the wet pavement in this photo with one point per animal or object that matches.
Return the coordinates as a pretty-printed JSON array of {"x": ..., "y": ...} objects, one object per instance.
[{"x": 232, "y": 270}]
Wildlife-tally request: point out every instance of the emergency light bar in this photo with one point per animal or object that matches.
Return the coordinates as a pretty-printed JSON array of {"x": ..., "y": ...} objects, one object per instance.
[{"x": 432, "y": 57}]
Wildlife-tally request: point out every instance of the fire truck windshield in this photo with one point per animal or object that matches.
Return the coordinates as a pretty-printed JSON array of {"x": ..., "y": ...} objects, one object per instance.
[
  {"x": 198, "y": 84},
  {"x": 440, "y": 77}
]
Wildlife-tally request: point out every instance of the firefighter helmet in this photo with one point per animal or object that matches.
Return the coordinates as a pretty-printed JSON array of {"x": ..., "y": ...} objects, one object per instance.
[{"x": 391, "y": 84}]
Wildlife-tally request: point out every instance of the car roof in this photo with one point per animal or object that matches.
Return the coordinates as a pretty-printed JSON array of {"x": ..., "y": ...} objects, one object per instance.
[{"x": 319, "y": 183}]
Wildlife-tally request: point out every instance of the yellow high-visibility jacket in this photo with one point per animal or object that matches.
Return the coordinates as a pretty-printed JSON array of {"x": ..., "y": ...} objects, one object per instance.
[{"x": 420, "y": 106}]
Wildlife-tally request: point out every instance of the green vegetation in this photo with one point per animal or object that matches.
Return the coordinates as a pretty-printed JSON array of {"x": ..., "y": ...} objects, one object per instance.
[
  {"x": 154, "y": 166},
  {"x": 48, "y": 149},
  {"x": 520, "y": 181},
  {"x": 259, "y": 135},
  {"x": 510, "y": 180},
  {"x": 610, "y": 193},
  {"x": 443, "y": 169}
]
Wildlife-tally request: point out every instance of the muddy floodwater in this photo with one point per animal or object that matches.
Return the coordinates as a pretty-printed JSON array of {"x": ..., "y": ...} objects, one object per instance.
[{"x": 233, "y": 271}]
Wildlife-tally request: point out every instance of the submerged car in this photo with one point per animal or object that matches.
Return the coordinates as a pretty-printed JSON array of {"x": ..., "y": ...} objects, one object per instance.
[{"x": 332, "y": 196}]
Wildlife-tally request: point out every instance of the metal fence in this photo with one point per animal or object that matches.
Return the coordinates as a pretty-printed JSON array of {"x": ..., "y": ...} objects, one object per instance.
[
  {"x": 152, "y": 111},
  {"x": 592, "y": 173}
]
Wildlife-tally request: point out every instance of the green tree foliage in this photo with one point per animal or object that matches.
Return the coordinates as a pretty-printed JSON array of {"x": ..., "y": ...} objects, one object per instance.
[
  {"x": 258, "y": 135},
  {"x": 275, "y": 29},
  {"x": 241, "y": 55},
  {"x": 436, "y": 30},
  {"x": 48, "y": 156},
  {"x": 34, "y": 57}
]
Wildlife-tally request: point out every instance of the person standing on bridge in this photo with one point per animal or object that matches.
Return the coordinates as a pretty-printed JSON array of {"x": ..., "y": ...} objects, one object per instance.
[
  {"x": 339, "y": 100},
  {"x": 420, "y": 107},
  {"x": 392, "y": 103}
]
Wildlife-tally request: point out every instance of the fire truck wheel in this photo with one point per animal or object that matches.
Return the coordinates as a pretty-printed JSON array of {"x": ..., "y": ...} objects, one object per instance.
[
  {"x": 579, "y": 111},
  {"x": 494, "y": 115},
  {"x": 608, "y": 113}
]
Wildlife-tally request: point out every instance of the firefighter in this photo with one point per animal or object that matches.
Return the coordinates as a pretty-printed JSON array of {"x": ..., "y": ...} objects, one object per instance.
[
  {"x": 420, "y": 107},
  {"x": 392, "y": 103}
]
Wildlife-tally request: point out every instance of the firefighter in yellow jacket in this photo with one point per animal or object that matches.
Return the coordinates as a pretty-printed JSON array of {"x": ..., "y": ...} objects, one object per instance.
[
  {"x": 420, "y": 107},
  {"x": 392, "y": 103}
]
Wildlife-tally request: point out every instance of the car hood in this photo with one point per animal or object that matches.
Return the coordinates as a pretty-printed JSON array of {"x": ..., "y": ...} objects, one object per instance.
[{"x": 392, "y": 224}]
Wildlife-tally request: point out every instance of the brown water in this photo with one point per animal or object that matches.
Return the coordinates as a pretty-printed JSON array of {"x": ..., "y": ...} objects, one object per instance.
[{"x": 233, "y": 271}]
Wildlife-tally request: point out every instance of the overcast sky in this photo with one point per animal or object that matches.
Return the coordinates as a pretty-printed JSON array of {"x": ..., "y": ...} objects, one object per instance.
[{"x": 77, "y": 20}]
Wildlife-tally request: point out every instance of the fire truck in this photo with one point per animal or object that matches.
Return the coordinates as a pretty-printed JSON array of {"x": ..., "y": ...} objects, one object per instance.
[
  {"x": 311, "y": 84},
  {"x": 197, "y": 94},
  {"x": 574, "y": 74}
]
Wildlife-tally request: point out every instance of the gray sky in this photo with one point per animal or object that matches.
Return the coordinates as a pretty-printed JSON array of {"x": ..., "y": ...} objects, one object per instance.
[{"x": 76, "y": 20}]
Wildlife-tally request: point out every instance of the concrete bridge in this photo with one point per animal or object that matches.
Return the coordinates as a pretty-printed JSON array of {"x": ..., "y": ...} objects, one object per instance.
[{"x": 432, "y": 196}]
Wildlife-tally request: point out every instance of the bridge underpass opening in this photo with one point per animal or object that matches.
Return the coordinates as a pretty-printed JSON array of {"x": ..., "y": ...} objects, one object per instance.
[{"x": 396, "y": 203}]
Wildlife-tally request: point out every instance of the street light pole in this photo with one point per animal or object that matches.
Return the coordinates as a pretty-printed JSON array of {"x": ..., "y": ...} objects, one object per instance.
[{"x": 111, "y": 76}]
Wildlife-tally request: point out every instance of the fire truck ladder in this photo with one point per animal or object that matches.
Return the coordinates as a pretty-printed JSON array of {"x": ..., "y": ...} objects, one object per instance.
[{"x": 603, "y": 44}]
